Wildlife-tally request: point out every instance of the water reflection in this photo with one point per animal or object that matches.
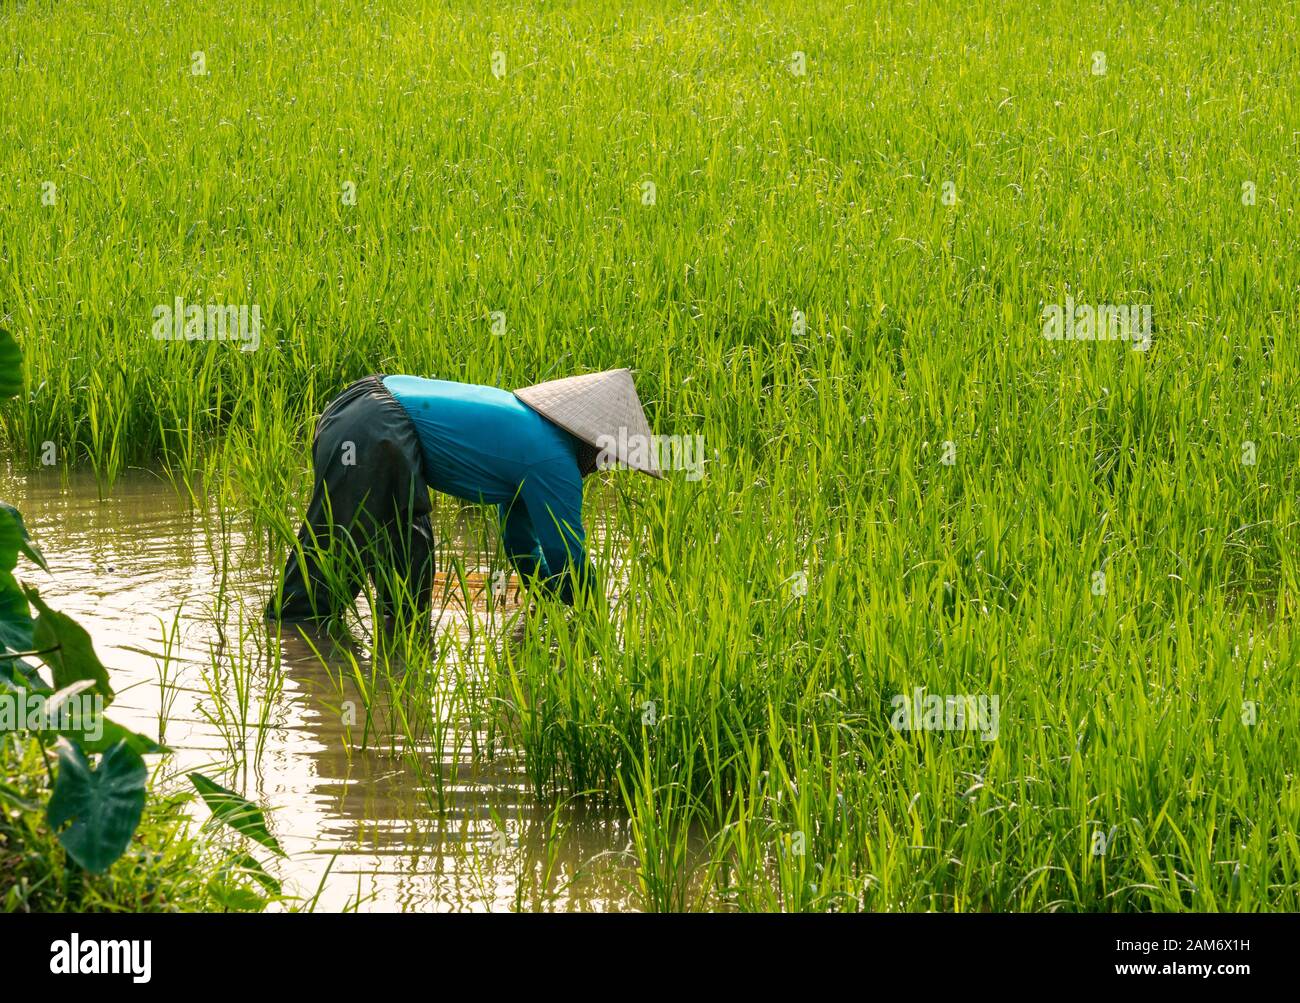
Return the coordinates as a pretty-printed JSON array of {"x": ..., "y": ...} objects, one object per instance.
[{"x": 172, "y": 599}]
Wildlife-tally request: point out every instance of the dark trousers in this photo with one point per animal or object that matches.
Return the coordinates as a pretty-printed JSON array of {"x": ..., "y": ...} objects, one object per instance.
[{"x": 369, "y": 513}]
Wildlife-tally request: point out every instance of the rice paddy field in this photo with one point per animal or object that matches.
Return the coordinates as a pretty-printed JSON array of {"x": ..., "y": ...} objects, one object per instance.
[{"x": 829, "y": 239}]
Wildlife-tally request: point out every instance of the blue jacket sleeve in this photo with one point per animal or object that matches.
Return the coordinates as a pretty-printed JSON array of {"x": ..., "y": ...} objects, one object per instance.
[
  {"x": 552, "y": 494},
  {"x": 520, "y": 540}
]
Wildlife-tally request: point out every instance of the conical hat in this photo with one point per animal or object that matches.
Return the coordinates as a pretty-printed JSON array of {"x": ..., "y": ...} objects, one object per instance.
[{"x": 596, "y": 405}]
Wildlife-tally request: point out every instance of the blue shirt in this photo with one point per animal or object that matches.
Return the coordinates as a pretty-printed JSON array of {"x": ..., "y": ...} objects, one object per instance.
[{"x": 485, "y": 445}]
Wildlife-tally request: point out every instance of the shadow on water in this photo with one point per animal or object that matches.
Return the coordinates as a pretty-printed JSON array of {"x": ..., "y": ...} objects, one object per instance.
[{"x": 436, "y": 816}]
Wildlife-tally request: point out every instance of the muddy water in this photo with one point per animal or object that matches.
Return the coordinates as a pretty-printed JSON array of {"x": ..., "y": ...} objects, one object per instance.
[{"x": 268, "y": 713}]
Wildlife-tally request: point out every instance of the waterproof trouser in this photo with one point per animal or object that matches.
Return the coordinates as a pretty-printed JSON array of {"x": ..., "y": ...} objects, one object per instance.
[{"x": 369, "y": 513}]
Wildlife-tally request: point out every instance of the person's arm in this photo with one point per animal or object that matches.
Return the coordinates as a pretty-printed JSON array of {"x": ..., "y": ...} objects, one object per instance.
[
  {"x": 552, "y": 493},
  {"x": 520, "y": 540}
]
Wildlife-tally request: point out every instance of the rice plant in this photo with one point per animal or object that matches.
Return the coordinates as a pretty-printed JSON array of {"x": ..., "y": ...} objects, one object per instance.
[{"x": 963, "y": 613}]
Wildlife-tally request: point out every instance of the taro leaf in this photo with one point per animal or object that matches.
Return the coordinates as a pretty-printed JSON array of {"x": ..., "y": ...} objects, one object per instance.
[
  {"x": 11, "y": 366},
  {"x": 237, "y": 812},
  {"x": 11, "y": 536},
  {"x": 13, "y": 706},
  {"x": 15, "y": 615},
  {"x": 94, "y": 734},
  {"x": 110, "y": 734},
  {"x": 91, "y": 730},
  {"x": 16, "y": 671},
  {"x": 103, "y": 805},
  {"x": 56, "y": 702},
  {"x": 15, "y": 618},
  {"x": 14, "y": 539},
  {"x": 67, "y": 649}
]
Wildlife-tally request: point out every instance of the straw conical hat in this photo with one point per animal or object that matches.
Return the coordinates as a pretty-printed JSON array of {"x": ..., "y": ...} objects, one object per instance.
[{"x": 596, "y": 405}]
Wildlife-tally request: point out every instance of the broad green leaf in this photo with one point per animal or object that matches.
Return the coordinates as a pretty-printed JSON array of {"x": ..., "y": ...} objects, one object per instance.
[
  {"x": 101, "y": 807},
  {"x": 110, "y": 733},
  {"x": 14, "y": 697},
  {"x": 236, "y": 811},
  {"x": 15, "y": 615},
  {"x": 16, "y": 671},
  {"x": 16, "y": 624},
  {"x": 14, "y": 540},
  {"x": 11, "y": 366},
  {"x": 67, "y": 648},
  {"x": 60, "y": 701},
  {"x": 11, "y": 536},
  {"x": 94, "y": 734}
]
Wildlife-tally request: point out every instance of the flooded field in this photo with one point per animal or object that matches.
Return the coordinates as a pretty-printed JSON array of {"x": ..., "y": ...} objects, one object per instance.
[{"x": 444, "y": 821}]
